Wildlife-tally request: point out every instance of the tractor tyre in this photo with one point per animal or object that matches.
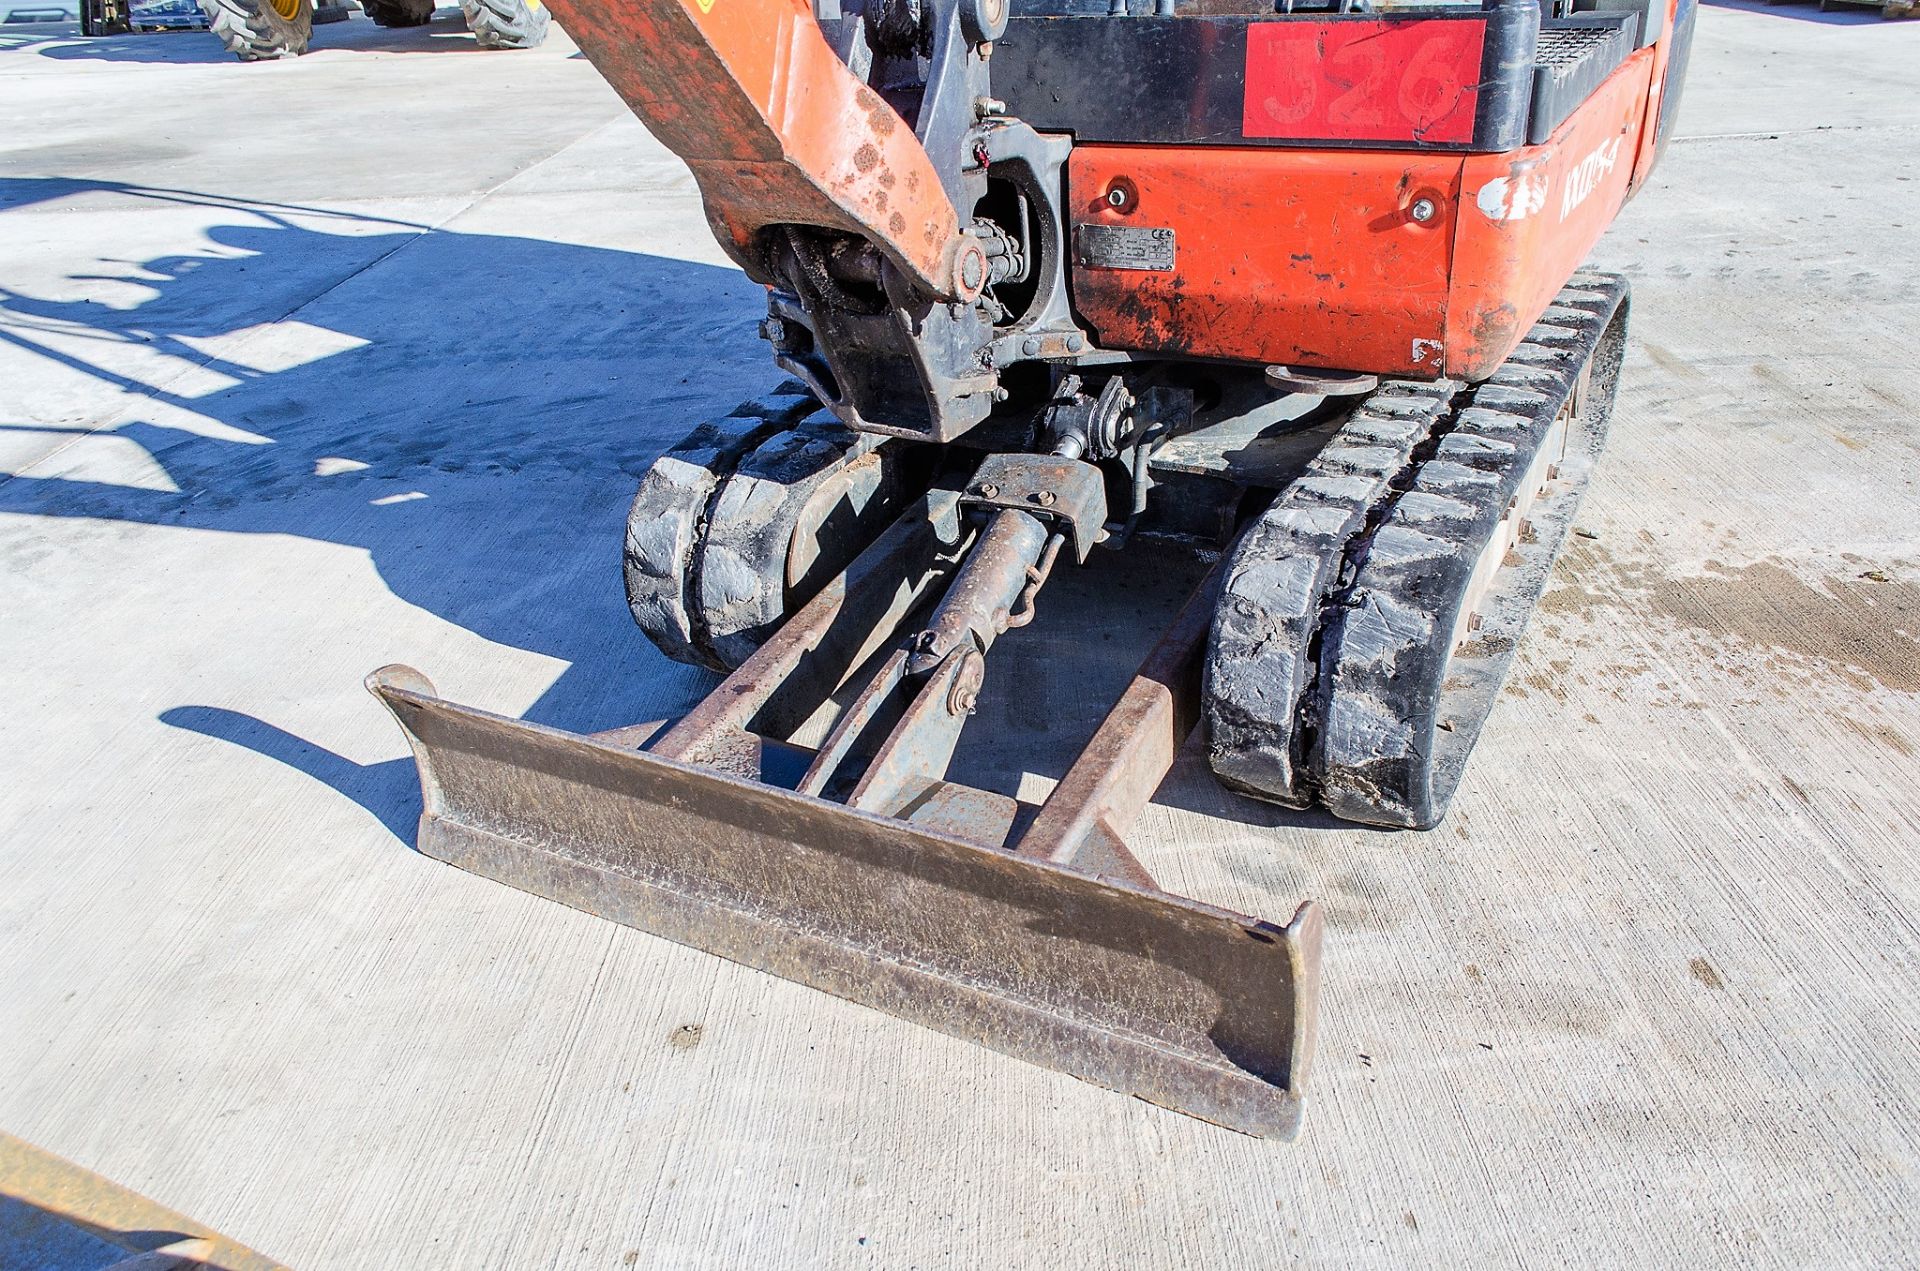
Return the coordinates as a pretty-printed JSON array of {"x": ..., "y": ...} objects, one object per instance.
[
  {"x": 256, "y": 30},
  {"x": 506, "y": 24},
  {"x": 399, "y": 13}
]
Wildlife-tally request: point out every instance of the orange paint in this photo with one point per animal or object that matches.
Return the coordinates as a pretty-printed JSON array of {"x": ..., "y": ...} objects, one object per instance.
[
  {"x": 1301, "y": 257},
  {"x": 775, "y": 127},
  {"x": 1313, "y": 258}
]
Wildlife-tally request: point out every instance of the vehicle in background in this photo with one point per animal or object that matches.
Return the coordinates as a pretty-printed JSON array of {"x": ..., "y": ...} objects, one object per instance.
[
  {"x": 45, "y": 13},
  {"x": 169, "y": 15},
  {"x": 256, "y": 30}
]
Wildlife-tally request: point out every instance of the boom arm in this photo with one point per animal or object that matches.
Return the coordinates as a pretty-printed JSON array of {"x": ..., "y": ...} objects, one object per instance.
[{"x": 777, "y": 130}]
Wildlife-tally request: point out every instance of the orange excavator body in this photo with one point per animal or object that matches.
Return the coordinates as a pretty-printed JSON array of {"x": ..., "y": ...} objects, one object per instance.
[{"x": 1363, "y": 230}]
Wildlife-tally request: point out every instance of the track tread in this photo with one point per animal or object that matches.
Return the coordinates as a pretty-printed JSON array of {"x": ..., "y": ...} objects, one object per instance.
[
  {"x": 1399, "y": 725},
  {"x": 670, "y": 510},
  {"x": 1333, "y": 640},
  {"x": 740, "y": 576},
  {"x": 715, "y": 520},
  {"x": 1279, "y": 576}
]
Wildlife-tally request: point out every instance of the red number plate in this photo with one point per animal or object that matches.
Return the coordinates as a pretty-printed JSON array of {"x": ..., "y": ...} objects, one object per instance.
[{"x": 1363, "y": 80}]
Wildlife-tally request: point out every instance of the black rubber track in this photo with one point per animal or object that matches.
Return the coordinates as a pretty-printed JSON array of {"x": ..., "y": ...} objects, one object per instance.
[
  {"x": 1401, "y": 699},
  {"x": 254, "y": 32},
  {"x": 1334, "y": 676},
  {"x": 717, "y": 554},
  {"x": 669, "y": 515},
  {"x": 1279, "y": 577},
  {"x": 741, "y": 566}
]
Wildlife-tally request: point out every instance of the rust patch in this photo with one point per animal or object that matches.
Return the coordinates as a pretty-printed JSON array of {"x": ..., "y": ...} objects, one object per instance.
[
  {"x": 685, "y": 1037},
  {"x": 1495, "y": 333},
  {"x": 897, "y": 223},
  {"x": 886, "y": 177},
  {"x": 866, "y": 158},
  {"x": 879, "y": 114}
]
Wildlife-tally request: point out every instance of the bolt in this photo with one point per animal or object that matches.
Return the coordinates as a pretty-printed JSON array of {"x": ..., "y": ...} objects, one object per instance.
[
  {"x": 773, "y": 331},
  {"x": 1030, "y": 346},
  {"x": 1423, "y": 210},
  {"x": 985, "y": 107},
  {"x": 973, "y": 268},
  {"x": 1044, "y": 498},
  {"x": 1075, "y": 343},
  {"x": 988, "y": 490},
  {"x": 1117, "y": 198}
]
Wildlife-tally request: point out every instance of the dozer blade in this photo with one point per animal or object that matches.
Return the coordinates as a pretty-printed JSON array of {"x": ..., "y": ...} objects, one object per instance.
[
  {"x": 1181, "y": 1004},
  {"x": 1031, "y": 930}
]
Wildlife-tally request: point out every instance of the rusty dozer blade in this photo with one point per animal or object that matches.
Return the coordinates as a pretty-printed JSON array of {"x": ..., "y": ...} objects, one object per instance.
[{"x": 1032, "y": 931}]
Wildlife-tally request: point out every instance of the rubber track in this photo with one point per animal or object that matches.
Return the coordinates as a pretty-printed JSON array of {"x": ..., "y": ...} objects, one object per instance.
[
  {"x": 1401, "y": 706},
  {"x": 670, "y": 513},
  {"x": 1279, "y": 577},
  {"x": 740, "y": 569},
  {"x": 1333, "y": 637}
]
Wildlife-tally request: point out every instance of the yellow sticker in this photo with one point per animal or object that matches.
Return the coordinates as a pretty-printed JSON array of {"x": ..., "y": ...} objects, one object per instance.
[{"x": 706, "y": 6}]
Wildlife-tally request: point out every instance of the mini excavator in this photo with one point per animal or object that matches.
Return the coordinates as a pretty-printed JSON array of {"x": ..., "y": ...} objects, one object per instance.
[{"x": 1295, "y": 284}]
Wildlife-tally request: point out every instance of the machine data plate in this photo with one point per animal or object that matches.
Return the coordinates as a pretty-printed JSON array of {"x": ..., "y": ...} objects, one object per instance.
[{"x": 1124, "y": 247}]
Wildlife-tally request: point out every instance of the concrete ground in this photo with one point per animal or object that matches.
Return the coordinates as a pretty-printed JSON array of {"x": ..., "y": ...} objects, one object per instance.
[{"x": 307, "y": 367}]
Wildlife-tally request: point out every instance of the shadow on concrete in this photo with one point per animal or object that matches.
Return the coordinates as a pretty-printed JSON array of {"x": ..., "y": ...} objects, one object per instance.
[
  {"x": 37, "y": 1239},
  {"x": 475, "y": 416},
  {"x": 1805, "y": 11},
  {"x": 390, "y": 790}
]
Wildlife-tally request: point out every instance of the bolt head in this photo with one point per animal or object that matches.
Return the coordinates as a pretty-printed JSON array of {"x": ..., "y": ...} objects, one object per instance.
[
  {"x": 973, "y": 270},
  {"x": 1116, "y": 197},
  {"x": 1030, "y": 346},
  {"x": 988, "y": 490},
  {"x": 1424, "y": 210},
  {"x": 1044, "y": 498}
]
